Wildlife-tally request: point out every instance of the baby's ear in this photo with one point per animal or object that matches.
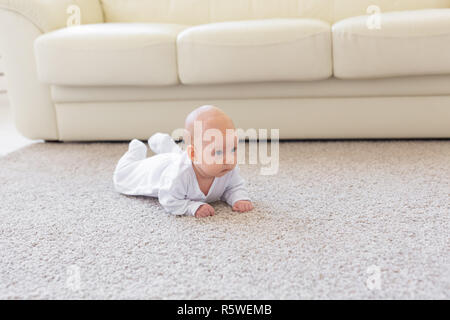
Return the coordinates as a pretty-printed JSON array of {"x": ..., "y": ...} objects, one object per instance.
[{"x": 190, "y": 152}]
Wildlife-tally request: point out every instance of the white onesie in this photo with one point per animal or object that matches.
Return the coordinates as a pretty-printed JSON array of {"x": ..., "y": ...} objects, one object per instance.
[{"x": 169, "y": 176}]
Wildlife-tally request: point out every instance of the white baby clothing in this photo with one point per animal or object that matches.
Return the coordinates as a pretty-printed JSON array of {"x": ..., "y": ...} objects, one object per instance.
[{"x": 170, "y": 177}]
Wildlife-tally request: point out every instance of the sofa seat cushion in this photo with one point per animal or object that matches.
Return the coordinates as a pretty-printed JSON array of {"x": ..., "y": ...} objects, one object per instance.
[
  {"x": 398, "y": 44},
  {"x": 255, "y": 51},
  {"x": 329, "y": 88},
  {"x": 109, "y": 54}
]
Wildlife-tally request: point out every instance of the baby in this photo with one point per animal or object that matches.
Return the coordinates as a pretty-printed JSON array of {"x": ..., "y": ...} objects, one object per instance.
[{"x": 185, "y": 181}]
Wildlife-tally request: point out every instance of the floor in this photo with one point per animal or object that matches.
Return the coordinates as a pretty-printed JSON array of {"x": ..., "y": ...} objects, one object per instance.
[
  {"x": 10, "y": 139},
  {"x": 340, "y": 220}
]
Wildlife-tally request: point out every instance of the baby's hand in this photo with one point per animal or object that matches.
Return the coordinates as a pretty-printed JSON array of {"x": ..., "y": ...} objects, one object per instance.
[
  {"x": 205, "y": 210},
  {"x": 243, "y": 206}
]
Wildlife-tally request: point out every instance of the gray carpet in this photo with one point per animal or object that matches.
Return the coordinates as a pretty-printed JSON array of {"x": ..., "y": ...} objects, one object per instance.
[{"x": 341, "y": 220}]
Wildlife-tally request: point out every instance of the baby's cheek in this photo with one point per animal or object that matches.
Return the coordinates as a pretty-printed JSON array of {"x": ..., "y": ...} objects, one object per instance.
[
  {"x": 232, "y": 159},
  {"x": 210, "y": 169},
  {"x": 208, "y": 160}
]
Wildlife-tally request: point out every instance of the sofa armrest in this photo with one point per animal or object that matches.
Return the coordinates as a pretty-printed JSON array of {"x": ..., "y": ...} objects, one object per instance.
[
  {"x": 21, "y": 22},
  {"x": 49, "y": 15}
]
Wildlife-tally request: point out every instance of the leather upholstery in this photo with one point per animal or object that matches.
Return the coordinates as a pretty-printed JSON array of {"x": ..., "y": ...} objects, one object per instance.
[
  {"x": 252, "y": 51},
  {"x": 329, "y": 88},
  {"x": 48, "y": 15},
  {"x": 267, "y": 62},
  {"x": 408, "y": 43},
  {"x": 318, "y": 118},
  {"x": 109, "y": 54},
  {"x": 196, "y": 12},
  {"x": 33, "y": 108}
]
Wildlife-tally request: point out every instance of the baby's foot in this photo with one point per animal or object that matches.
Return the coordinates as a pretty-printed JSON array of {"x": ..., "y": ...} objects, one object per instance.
[
  {"x": 135, "y": 143},
  {"x": 163, "y": 143},
  {"x": 137, "y": 150}
]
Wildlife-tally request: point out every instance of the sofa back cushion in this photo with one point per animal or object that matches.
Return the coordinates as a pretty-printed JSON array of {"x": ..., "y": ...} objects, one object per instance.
[
  {"x": 193, "y": 12},
  {"x": 349, "y": 8},
  {"x": 49, "y": 15}
]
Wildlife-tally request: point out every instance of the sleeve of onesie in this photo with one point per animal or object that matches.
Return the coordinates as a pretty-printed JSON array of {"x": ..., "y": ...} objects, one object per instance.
[
  {"x": 173, "y": 196},
  {"x": 235, "y": 190}
]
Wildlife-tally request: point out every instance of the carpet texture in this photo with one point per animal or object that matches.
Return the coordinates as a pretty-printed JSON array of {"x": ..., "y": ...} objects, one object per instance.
[{"x": 348, "y": 219}]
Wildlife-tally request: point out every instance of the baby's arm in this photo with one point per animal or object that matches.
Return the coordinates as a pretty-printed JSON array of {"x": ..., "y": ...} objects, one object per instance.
[
  {"x": 173, "y": 201},
  {"x": 172, "y": 196},
  {"x": 236, "y": 195}
]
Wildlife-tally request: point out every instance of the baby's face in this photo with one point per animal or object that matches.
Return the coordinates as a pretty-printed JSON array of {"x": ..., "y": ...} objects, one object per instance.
[{"x": 217, "y": 158}]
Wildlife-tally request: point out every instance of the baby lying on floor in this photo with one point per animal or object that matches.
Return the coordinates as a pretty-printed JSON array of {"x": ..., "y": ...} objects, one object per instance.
[{"x": 185, "y": 181}]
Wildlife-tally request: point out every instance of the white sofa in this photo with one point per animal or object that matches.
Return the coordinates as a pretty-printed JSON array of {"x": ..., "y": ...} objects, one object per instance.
[{"x": 312, "y": 68}]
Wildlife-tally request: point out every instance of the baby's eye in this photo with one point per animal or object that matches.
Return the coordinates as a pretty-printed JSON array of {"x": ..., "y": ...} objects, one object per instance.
[{"x": 219, "y": 153}]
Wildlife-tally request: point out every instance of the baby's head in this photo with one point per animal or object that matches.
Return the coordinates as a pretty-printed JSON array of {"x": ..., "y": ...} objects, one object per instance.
[{"x": 211, "y": 141}]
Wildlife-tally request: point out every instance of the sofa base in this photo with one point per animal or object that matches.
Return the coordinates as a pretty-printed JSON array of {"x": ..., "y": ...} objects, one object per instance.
[{"x": 316, "y": 118}]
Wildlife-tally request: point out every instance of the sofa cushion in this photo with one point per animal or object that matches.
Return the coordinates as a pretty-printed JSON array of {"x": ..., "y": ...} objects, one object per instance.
[
  {"x": 254, "y": 51},
  {"x": 344, "y": 9},
  {"x": 208, "y": 11},
  {"x": 109, "y": 54},
  {"x": 329, "y": 88},
  {"x": 196, "y": 12},
  {"x": 406, "y": 43},
  {"x": 49, "y": 15}
]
